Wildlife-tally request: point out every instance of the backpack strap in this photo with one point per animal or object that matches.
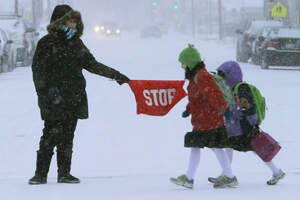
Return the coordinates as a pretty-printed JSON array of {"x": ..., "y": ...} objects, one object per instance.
[
  {"x": 236, "y": 87},
  {"x": 236, "y": 91},
  {"x": 195, "y": 78}
]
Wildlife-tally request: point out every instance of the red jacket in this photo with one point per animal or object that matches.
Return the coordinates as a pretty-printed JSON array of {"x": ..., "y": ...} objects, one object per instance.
[{"x": 206, "y": 103}]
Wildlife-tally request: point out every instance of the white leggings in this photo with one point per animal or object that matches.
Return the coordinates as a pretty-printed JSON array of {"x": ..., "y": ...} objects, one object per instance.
[
  {"x": 224, "y": 157},
  {"x": 271, "y": 165},
  {"x": 195, "y": 160}
]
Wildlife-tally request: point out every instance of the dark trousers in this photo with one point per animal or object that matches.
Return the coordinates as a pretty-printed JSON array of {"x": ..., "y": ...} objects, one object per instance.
[{"x": 59, "y": 134}]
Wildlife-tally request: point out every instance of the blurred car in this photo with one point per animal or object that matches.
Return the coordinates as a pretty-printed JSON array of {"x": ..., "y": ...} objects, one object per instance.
[
  {"x": 108, "y": 29},
  {"x": 229, "y": 29},
  {"x": 7, "y": 56},
  {"x": 245, "y": 40},
  {"x": 151, "y": 31},
  {"x": 256, "y": 47},
  {"x": 18, "y": 31},
  {"x": 31, "y": 37},
  {"x": 164, "y": 28},
  {"x": 281, "y": 48}
]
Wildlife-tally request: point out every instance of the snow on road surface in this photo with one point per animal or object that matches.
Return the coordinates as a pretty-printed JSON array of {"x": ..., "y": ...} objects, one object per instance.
[{"x": 121, "y": 155}]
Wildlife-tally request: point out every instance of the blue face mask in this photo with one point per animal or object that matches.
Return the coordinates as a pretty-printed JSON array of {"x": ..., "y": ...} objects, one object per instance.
[{"x": 70, "y": 32}]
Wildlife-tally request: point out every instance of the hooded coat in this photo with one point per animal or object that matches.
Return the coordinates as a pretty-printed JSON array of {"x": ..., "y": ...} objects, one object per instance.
[
  {"x": 57, "y": 69},
  {"x": 244, "y": 120}
]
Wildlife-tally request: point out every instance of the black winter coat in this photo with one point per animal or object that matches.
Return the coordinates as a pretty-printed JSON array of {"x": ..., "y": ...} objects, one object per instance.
[{"x": 58, "y": 79}]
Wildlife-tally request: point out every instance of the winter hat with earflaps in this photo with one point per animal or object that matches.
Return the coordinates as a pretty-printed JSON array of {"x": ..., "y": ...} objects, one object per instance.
[
  {"x": 61, "y": 14},
  {"x": 190, "y": 56}
]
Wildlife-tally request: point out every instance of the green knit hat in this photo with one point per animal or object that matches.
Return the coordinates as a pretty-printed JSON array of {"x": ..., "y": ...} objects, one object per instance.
[{"x": 190, "y": 56}]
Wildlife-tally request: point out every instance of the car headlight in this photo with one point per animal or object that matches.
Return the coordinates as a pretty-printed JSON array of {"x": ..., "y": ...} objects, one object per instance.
[
  {"x": 118, "y": 31},
  {"x": 96, "y": 29},
  {"x": 108, "y": 31}
]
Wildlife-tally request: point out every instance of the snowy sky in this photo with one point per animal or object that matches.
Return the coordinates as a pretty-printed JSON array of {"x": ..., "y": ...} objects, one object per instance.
[
  {"x": 228, "y": 3},
  {"x": 240, "y": 3},
  {"x": 5, "y": 4}
]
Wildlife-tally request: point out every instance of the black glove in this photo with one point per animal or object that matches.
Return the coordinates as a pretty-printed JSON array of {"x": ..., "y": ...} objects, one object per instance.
[
  {"x": 255, "y": 130},
  {"x": 121, "y": 79},
  {"x": 54, "y": 96},
  {"x": 185, "y": 114}
]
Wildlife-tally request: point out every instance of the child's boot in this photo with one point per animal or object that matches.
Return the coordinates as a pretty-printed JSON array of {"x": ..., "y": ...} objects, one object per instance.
[
  {"x": 224, "y": 182},
  {"x": 276, "y": 177},
  {"x": 183, "y": 181},
  {"x": 214, "y": 179}
]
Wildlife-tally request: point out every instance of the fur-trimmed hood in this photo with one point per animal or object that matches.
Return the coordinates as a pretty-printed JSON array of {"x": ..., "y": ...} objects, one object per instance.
[{"x": 60, "y": 16}]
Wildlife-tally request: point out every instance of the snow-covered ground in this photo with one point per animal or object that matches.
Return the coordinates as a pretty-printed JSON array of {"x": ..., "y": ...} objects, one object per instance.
[{"x": 121, "y": 155}]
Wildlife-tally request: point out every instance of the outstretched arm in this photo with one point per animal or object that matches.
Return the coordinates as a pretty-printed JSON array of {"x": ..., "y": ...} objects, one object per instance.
[{"x": 93, "y": 66}]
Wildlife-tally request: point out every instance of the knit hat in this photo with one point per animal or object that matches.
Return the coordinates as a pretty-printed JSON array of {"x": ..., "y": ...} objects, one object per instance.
[{"x": 190, "y": 56}]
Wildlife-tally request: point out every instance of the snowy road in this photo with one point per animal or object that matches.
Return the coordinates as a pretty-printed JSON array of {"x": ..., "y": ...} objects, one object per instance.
[{"x": 120, "y": 155}]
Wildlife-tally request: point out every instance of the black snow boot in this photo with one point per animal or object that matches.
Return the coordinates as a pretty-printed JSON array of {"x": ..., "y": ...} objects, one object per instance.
[
  {"x": 42, "y": 168},
  {"x": 37, "y": 180},
  {"x": 64, "y": 167},
  {"x": 67, "y": 178}
]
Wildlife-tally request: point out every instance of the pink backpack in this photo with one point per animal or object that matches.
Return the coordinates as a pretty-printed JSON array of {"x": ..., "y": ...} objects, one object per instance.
[{"x": 265, "y": 146}]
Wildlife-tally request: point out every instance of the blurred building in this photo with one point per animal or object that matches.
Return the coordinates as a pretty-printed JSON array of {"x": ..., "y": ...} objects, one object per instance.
[{"x": 295, "y": 12}]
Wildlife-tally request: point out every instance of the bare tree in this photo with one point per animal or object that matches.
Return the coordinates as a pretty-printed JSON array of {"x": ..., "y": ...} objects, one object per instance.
[
  {"x": 193, "y": 19},
  {"x": 37, "y": 12},
  {"x": 16, "y": 7},
  {"x": 220, "y": 19}
]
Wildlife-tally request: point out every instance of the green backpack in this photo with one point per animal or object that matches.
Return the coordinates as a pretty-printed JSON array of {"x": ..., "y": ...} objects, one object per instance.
[
  {"x": 259, "y": 100},
  {"x": 227, "y": 93}
]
